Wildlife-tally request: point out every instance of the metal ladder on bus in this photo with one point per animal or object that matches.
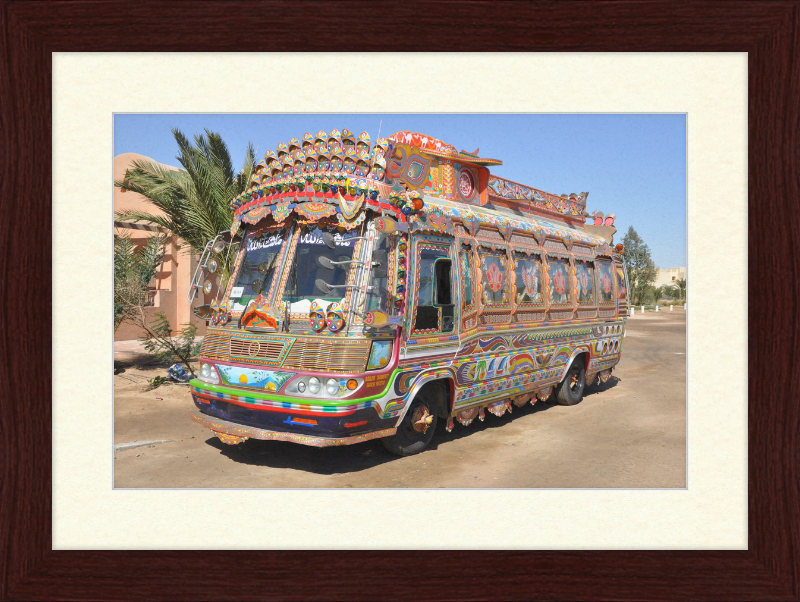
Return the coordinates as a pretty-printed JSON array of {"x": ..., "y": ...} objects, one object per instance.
[{"x": 199, "y": 271}]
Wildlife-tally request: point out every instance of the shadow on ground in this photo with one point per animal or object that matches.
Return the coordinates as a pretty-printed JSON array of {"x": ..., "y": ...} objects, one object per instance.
[
  {"x": 140, "y": 361},
  {"x": 363, "y": 456}
]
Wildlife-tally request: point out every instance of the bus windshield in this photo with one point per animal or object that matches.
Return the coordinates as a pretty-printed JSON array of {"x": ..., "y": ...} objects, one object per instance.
[
  {"x": 314, "y": 260},
  {"x": 261, "y": 251}
]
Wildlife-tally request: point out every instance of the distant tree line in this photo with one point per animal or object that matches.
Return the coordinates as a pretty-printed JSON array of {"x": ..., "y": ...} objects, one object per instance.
[{"x": 642, "y": 273}]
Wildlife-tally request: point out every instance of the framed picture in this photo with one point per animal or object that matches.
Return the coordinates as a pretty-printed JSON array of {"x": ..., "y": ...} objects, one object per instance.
[{"x": 33, "y": 570}]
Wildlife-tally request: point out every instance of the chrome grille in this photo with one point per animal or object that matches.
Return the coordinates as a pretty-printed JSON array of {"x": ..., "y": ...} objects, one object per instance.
[
  {"x": 328, "y": 356},
  {"x": 215, "y": 345},
  {"x": 261, "y": 350}
]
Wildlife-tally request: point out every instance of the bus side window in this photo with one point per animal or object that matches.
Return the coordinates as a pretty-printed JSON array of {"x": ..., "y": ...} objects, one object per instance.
[
  {"x": 434, "y": 311},
  {"x": 494, "y": 278},
  {"x": 442, "y": 275},
  {"x": 468, "y": 285},
  {"x": 444, "y": 292},
  {"x": 605, "y": 277},
  {"x": 584, "y": 271}
]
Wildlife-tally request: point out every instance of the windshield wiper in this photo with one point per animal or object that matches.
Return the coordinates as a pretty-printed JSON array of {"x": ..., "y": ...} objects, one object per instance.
[{"x": 326, "y": 288}]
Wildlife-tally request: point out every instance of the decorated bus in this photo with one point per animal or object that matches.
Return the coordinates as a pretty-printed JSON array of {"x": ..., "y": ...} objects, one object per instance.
[{"x": 378, "y": 289}]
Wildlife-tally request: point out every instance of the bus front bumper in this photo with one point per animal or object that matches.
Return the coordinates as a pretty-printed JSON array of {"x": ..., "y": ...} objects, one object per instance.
[
  {"x": 233, "y": 433},
  {"x": 240, "y": 413}
]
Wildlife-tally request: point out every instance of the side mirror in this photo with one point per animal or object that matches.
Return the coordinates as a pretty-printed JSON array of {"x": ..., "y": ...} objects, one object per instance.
[
  {"x": 325, "y": 262},
  {"x": 329, "y": 240},
  {"x": 322, "y": 286},
  {"x": 381, "y": 257},
  {"x": 203, "y": 311}
]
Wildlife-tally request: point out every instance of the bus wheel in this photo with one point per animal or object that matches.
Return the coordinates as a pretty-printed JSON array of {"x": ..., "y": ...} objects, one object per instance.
[
  {"x": 571, "y": 389},
  {"x": 416, "y": 430}
]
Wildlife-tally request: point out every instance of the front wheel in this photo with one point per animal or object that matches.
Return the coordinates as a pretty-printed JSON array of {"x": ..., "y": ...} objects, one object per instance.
[
  {"x": 416, "y": 430},
  {"x": 571, "y": 389}
]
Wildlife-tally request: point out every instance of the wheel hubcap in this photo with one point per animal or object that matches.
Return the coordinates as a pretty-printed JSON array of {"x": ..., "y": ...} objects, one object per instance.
[
  {"x": 574, "y": 380},
  {"x": 421, "y": 419}
]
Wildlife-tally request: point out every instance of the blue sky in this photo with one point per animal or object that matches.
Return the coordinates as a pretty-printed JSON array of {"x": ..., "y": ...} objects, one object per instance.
[{"x": 632, "y": 165}]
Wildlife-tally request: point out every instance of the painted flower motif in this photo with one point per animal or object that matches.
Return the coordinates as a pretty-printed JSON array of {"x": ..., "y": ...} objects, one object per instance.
[
  {"x": 530, "y": 277},
  {"x": 605, "y": 282},
  {"x": 559, "y": 282},
  {"x": 584, "y": 280},
  {"x": 495, "y": 277}
]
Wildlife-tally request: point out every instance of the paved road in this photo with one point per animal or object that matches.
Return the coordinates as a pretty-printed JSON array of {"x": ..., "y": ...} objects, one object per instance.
[{"x": 629, "y": 432}]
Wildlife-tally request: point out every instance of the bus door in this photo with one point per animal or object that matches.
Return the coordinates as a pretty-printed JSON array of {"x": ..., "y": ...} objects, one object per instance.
[{"x": 433, "y": 310}]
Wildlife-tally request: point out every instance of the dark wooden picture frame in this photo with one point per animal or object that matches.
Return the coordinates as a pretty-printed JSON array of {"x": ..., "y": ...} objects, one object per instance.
[{"x": 769, "y": 31}]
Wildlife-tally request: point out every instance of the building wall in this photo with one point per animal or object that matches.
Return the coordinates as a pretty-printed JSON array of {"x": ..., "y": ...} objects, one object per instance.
[
  {"x": 670, "y": 276},
  {"x": 173, "y": 278}
]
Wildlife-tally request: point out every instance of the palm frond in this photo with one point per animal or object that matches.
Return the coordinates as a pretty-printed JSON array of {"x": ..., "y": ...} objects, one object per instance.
[{"x": 195, "y": 199}]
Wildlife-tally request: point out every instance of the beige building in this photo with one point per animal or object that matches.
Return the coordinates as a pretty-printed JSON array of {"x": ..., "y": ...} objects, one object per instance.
[
  {"x": 168, "y": 290},
  {"x": 670, "y": 276}
]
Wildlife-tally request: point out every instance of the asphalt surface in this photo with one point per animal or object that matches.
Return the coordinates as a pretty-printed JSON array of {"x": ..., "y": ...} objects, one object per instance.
[{"x": 627, "y": 433}]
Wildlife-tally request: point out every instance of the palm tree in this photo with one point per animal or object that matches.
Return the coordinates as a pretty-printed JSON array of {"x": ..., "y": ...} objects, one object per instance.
[
  {"x": 195, "y": 200},
  {"x": 681, "y": 284},
  {"x": 665, "y": 291}
]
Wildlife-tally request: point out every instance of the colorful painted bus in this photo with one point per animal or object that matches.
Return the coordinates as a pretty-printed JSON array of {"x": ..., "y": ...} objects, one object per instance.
[{"x": 378, "y": 289}]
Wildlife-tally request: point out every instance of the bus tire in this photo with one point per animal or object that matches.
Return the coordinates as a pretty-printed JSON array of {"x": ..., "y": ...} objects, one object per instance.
[
  {"x": 570, "y": 391},
  {"x": 412, "y": 438}
]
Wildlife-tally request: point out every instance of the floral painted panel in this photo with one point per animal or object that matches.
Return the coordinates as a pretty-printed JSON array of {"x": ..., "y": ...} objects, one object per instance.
[
  {"x": 622, "y": 294},
  {"x": 529, "y": 278},
  {"x": 468, "y": 285},
  {"x": 606, "y": 282},
  {"x": 493, "y": 271},
  {"x": 585, "y": 274},
  {"x": 558, "y": 270}
]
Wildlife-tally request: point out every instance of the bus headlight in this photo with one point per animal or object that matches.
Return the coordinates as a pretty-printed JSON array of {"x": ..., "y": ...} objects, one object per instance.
[
  {"x": 332, "y": 387},
  {"x": 208, "y": 374},
  {"x": 314, "y": 386}
]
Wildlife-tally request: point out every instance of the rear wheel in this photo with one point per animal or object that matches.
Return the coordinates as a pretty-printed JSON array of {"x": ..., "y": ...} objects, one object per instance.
[
  {"x": 571, "y": 389},
  {"x": 416, "y": 430}
]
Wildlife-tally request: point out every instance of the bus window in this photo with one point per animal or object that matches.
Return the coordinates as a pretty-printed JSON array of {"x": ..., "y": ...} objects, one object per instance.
[
  {"x": 529, "y": 278},
  {"x": 493, "y": 277},
  {"x": 434, "y": 310},
  {"x": 584, "y": 271},
  {"x": 465, "y": 257},
  {"x": 558, "y": 270},
  {"x": 606, "y": 280},
  {"x": 262, "y": 249},
  {"x": 377, "y": 297},
  {"x": 301, "y": 287},
  {"x": 622, "y": 295},
  {"x": 441, "y": 271},
  {"x": 443, "y": 293}
]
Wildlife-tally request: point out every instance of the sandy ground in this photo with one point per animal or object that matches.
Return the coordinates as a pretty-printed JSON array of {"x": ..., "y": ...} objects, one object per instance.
[{"x": 629, "y": 432}]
